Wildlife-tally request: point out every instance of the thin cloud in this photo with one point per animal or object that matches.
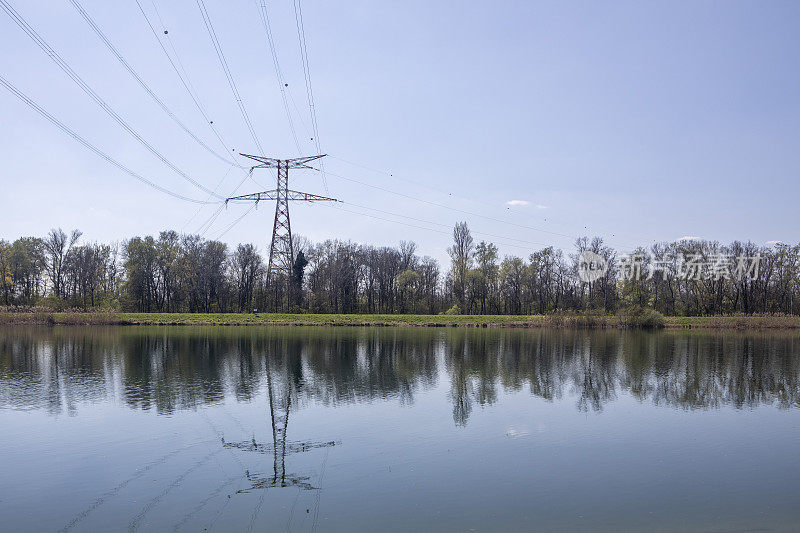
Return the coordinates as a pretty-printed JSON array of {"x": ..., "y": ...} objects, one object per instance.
[
  {"x": 540, "y": 206},
  {"x": 517, "y": 203},
  {"x": 690, "y": 238},
  {"x": 773, "y": 243}
]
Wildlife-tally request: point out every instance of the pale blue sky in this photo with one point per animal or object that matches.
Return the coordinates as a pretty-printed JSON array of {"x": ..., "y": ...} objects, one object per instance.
[{"x": 635, "y": 121}]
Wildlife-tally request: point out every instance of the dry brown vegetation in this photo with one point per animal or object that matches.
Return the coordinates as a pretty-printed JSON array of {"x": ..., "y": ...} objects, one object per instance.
[{"x": 636, "y": 318}]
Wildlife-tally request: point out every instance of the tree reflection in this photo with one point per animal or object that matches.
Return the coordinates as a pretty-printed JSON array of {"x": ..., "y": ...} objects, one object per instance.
[{"x": 171, "y": 369}]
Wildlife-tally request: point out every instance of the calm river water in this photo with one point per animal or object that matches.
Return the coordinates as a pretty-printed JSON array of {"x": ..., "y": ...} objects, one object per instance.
[{"x": 343, "y": 429}]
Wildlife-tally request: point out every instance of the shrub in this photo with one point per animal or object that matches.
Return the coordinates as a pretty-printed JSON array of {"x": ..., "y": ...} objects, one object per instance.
[
  {"x": 641, "y": 317},
  {"x": 52, "y": 302}
]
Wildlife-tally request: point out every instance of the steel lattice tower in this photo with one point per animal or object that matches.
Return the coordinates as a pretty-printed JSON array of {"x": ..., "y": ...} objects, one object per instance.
[{"x": 281, "y": 250}]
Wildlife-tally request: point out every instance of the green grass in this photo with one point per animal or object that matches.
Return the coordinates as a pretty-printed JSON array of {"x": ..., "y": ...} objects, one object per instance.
[
  {"x": 327, "y": 319},
  {"x": 734, "y": 322},
  {"x": 565, "y": 320}
]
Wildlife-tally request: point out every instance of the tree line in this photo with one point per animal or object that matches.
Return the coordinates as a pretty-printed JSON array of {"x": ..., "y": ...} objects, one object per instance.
[{"x": 187, "y": 273}]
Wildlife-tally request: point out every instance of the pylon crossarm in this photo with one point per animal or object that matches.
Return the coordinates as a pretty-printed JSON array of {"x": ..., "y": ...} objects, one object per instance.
[
  {"x": 308, "y": 197},
  {"x": 266, "y": 162},
  {"x": 273, "y": 195},
  {"x": 256, "y": 196},
  {"x": 300, "y": 162},
  {"x": 271, "y": 162}
]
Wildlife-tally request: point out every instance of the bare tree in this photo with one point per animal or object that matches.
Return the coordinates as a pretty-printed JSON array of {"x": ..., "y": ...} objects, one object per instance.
[
  {"x": 57, "y": 245},
  {"x": 246, "y": 266}
]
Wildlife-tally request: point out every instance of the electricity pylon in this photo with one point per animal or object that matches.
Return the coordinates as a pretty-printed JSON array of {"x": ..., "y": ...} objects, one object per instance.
[{"x": 281, "y": 250}]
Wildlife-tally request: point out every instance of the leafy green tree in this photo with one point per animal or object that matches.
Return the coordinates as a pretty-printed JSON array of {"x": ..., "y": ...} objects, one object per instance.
[
  {"x": 6, "y": 281},
  {"x": 461, "y": 255},
  {"x": 406, "y": 284},
  {"x": 486, "y": 259},
  {"x": 298, "y": 274}
]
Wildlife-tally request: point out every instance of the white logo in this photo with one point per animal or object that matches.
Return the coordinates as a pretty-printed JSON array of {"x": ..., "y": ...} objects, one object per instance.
[{"x": 591, "y": 266}]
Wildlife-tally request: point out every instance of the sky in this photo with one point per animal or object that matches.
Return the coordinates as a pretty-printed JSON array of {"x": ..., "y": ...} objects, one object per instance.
[{"x": 535, "y": 122}]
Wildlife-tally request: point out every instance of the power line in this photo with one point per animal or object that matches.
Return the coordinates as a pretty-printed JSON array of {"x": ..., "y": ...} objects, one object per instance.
[
  {"x": 218, "y": 48},
  {"x": 265, "y": 21},
  {"x": 185, "y": 81},
  {"x": 23, "y": 24},
  {"x": 300, "y": 114},
  {"x": 442, "y": 191},
  {"x": 33, "y": 105},
  {"x": 232, "y": 224},
  {"x": 435, "y": 204},
  {"x": 264, "y": 14},
  {"x": 391, "y": 175},
  {"x": 301, "y": 35},
  {"x": 444, "y": 232},
  {"x": 172, "y": 46},
  {"x": 210, "y": 221},
  {"x": 201, "y": 207},
  {"x": 413, "y": 182},
  {"x": 443, "y": 225},
  {"x": 144, "y": 86},
  {"x": 205, "y": 226},
  {"x": 183, "y": 76},
  {"x": 455, "y": 209}
]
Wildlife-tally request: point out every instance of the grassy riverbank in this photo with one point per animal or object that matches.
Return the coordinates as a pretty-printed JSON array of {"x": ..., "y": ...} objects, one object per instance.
[{"x": 585, "y": 320}]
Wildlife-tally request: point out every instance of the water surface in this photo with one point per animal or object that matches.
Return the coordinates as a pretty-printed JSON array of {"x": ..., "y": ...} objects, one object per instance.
[{"x": 342, "y": 429}]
